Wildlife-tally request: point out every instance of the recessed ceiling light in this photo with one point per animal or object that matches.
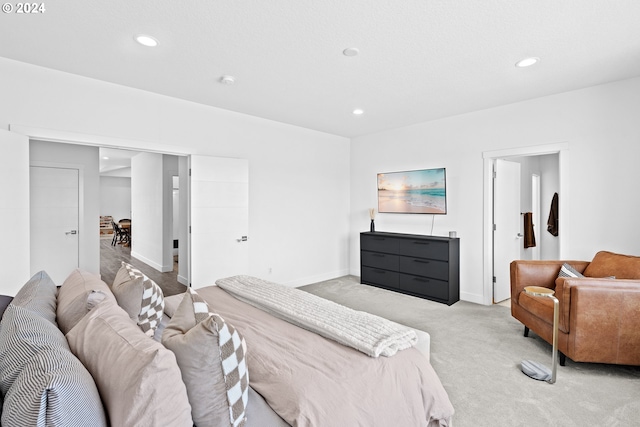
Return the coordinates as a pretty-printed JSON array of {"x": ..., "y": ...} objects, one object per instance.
[
  {"x": 227, "y": 80},
  {"x": 105, "y": 158},
  {"x": 146, "y": 40},
  {"x": 358, "y": 112},
  {"x": 527, "y": 62},
  {"x": 351, "y": 51}
]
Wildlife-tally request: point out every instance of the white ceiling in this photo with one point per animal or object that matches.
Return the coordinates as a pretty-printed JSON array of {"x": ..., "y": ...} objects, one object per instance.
[
  {"x": 116, "y": 162},
  {"x": 419, "y": 59}
]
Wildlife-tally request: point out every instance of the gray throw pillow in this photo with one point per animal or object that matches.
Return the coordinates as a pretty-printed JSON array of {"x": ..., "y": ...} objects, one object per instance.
[
  {"x": 568, "y": 271},
  {"x": 42, "y": 381},
  {"x": 38, "y": 295},
  {"x": 211, "y": 354}
]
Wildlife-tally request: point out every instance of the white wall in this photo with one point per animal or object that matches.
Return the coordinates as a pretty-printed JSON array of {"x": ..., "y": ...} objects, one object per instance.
[
  {"x": 601, "y": 206},
  {"x": 298, "y": 188},
  {"x": 115, "y": 197},
  {"x": 14, "y": 210},
  {"x": 89, "y": 232},
  {"x": 151, "y": 209}
]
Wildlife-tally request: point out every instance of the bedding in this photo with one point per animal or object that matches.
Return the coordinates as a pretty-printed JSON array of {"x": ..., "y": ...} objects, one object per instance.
[
  {"x": 309, "y": 380},
  {"x": 370, "y": 334}
]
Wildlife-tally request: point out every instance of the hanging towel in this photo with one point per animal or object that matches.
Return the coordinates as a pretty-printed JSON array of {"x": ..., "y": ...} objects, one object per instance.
[
  {"x": 552, "y": 222},
  {"x": 529, "y": 235}
]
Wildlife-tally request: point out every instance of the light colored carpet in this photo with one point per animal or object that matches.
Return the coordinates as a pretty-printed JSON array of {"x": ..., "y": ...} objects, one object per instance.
[{"x": 476, "y": 351}]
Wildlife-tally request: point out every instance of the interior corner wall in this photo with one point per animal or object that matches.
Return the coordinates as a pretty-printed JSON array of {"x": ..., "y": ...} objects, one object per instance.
[
  {"x": 298, "y": 177},
  {"x": 89, "y": 228},
  {"x": 598, "y": 208}
]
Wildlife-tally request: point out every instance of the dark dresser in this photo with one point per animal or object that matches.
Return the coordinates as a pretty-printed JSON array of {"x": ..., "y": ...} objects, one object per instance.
[{"x": 423, "y": 266}]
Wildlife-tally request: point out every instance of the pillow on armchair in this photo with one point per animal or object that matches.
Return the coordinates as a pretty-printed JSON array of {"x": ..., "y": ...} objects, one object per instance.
[
  {"x": 568, "y": 271},
  {"x": 607, "y": 264}
]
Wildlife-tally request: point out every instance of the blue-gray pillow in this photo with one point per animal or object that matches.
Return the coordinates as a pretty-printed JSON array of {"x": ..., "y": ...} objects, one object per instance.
[
  {"x": 42, "y": 382},
  {"x": 38, "y": 295}
]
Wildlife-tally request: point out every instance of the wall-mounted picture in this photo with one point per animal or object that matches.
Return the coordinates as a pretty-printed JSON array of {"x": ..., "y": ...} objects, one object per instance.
[{"x": 419, "y": 191}]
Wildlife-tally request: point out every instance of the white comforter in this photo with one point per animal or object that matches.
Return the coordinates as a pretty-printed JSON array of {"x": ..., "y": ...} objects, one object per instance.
[{"x": 370, "y": 334}]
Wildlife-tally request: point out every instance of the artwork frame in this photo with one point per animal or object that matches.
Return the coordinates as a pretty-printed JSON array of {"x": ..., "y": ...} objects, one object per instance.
[{"x": 420, "y": 191}]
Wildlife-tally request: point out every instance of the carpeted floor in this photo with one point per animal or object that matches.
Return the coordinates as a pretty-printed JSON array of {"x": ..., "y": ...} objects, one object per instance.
[{"x": 476, "y": 351}]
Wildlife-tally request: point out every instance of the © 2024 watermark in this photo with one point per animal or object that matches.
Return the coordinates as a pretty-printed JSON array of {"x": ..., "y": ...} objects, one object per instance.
[{"x": 24, "y": 8}]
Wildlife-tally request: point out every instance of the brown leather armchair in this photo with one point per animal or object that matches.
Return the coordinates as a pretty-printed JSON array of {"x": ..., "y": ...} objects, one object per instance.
[{"x": 599, "y": 319}]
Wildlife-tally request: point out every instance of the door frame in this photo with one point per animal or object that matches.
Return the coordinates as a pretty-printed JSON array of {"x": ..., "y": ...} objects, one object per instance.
[
  {"x": 82, "y": 226},
  {"x": 69, "y": 137},
  {"x": 488, "y": 157}
]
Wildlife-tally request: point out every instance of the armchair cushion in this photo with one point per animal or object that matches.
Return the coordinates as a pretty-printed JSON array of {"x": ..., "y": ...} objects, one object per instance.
[{"x": 607, "y": 264}]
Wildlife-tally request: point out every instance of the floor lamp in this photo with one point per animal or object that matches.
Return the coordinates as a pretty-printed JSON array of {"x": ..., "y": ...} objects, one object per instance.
[{"x": 536, "y": 370}]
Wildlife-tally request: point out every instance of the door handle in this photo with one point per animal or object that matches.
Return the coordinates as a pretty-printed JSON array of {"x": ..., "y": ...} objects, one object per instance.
[
  {"x": 71, "y": 232},
  {"x": 242, "y": 239},
  {"x": 519, "y": 235}
]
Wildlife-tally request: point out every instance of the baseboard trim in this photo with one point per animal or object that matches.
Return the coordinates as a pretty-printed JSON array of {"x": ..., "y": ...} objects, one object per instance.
[
  {"x": 474, "y": 298},
  {"x": 153, "y": 264},
  {"x": 318, "y": 278},
  {"x": 183, "y": 280}
]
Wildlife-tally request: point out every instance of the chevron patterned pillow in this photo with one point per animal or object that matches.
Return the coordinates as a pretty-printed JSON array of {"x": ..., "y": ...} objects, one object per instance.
[
  {"x": 140, "y": 297},
  {"x": 211, "y": 354}
]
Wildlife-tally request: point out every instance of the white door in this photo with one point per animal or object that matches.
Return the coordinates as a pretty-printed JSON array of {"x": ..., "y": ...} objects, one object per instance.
[
  {"x": 14, "y": 211},
  {"x": 219, "y": 218},
  {"x": 506, "y": 218},
  {"x": 54, "y": 214}
]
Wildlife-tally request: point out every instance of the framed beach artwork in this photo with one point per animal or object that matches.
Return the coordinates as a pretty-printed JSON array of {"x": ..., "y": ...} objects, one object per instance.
[{"x": 419, "y": 191}]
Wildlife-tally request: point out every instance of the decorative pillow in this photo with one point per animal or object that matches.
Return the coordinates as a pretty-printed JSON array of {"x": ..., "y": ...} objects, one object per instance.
[
  {"x": 39, "y": 296},
  {"x": 607, "y": 264},
  {"x": 568, "y": 271},
  {"x": 211, "y": 356},
  {"x": 42, "y": 381},
  {"x": 72, "y": 297},
  {"x": 140, "y": 297},
  {"x": 138, "y": 379},
  {"x": 28, "y": 326},
  {"x": 52, "y": 387}
]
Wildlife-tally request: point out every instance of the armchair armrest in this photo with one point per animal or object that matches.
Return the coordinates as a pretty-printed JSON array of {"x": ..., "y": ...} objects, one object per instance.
[
  {"x": 537, "y": 273},
  {"x": 595, "y": 310}
]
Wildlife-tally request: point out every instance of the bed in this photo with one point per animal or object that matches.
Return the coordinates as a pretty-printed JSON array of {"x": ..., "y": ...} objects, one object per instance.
[{"x": 300, "y": 378}]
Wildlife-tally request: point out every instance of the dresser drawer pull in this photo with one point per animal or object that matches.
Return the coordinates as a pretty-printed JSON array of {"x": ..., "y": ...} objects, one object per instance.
[
  {"x": 421, "y": 261},
  {"x": 379, "y": 255},
  {"x": 380, "y": 271},
  {"x": 379, "y": 238},
  {"x": 421, "y": 243},
  {"x": 421, "y": 280}
]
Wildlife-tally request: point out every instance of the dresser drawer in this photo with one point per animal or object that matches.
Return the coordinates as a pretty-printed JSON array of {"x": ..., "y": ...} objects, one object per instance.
[
  {"x": 425, "y": 267},
  {"x": 380, "y": 260},
  {"x": 431, "y": 288},
  {"x": 377, "y": 276},
  {"x": 375, "y": 243},
  {"x": 425, "y": 249}
]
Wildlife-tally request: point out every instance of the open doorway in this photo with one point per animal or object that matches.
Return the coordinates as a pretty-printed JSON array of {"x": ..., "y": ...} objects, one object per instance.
[
  {"x": 545, "y": 162},
  {"x": 140, "y": 192}
]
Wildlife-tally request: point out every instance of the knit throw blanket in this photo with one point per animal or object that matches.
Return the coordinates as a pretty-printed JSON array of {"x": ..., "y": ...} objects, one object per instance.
[{"x": 370, "y": 334}]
